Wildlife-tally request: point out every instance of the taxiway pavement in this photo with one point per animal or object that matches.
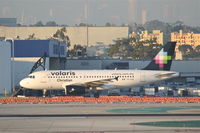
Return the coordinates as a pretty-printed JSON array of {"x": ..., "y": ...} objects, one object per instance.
[{"x": 90, "y": 124}]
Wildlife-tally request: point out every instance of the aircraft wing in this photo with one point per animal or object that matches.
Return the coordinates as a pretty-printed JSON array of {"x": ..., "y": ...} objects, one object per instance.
[{"x": 94, "y": 83}]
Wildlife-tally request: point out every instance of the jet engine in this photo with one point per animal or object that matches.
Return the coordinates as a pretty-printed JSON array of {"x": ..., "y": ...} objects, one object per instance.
[{"x": 75, "y": 90}]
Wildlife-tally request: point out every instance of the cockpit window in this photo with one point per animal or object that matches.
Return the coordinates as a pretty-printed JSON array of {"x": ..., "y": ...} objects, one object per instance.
[{"x": 31, "y": 76}]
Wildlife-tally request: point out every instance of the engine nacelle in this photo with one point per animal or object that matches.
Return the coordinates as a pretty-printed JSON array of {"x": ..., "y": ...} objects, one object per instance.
[{"x": 75, "y": 90}]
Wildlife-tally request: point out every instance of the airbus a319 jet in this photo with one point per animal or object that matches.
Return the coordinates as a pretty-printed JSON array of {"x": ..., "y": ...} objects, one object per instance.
[{"x": 157, "y": 70}]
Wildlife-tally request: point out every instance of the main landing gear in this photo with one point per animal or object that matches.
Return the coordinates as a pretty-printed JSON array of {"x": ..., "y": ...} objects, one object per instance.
[
  {"x": 65, "y": 90},
  {"x": 96, "y": 94}
]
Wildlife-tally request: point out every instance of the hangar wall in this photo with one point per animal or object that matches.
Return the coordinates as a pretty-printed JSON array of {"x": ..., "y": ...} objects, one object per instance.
[
  {"x": 83, "y": 64},
  {"x": 177, "y": 65},
  {"x": 186, "y": 66},
  {"x": 77, "y": 35}
]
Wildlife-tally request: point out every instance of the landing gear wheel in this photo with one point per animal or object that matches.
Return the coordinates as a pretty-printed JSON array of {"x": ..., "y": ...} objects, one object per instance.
[{"x": 96, "y": 95}]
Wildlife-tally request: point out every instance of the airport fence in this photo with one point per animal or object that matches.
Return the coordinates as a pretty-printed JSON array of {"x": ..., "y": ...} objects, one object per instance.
[{"x": 103, "y": 99}]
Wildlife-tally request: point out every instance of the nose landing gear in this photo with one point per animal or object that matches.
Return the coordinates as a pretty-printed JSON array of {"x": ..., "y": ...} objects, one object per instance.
[{"x": 44, "y": 92}]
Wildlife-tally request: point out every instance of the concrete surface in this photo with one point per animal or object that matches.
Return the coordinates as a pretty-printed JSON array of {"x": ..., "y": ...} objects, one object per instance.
[{"x": 122, "y": 124}]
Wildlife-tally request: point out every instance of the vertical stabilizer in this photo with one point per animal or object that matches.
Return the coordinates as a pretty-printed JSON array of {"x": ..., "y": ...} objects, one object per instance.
[{"x": 163, "y": 60}]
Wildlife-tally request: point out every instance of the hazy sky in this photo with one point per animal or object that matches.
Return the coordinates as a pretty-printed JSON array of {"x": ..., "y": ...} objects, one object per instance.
[{"x": 99, "y": 12}]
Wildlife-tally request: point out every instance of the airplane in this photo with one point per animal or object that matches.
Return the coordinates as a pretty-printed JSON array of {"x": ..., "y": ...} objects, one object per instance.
[{"x": 157, "y": 70}]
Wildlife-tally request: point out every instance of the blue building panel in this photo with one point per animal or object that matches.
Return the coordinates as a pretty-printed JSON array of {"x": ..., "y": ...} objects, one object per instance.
[
  {"x": 37, "y": 48},
  {"x": 31, "y": 48}
]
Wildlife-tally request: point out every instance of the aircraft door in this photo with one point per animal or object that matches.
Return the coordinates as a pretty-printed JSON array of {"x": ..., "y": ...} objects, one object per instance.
[
  {"x": 44, "y": 81},
  {"x": 50, "y": 81},
  {"x": 142, "y": 77}
]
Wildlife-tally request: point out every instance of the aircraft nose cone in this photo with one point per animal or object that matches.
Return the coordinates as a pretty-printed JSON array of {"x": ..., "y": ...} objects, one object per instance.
[{"x": 23, "y": 83}]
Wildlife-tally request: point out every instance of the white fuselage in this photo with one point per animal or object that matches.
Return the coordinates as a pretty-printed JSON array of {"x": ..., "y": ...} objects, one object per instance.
[{"x": 103, "y": 79}]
